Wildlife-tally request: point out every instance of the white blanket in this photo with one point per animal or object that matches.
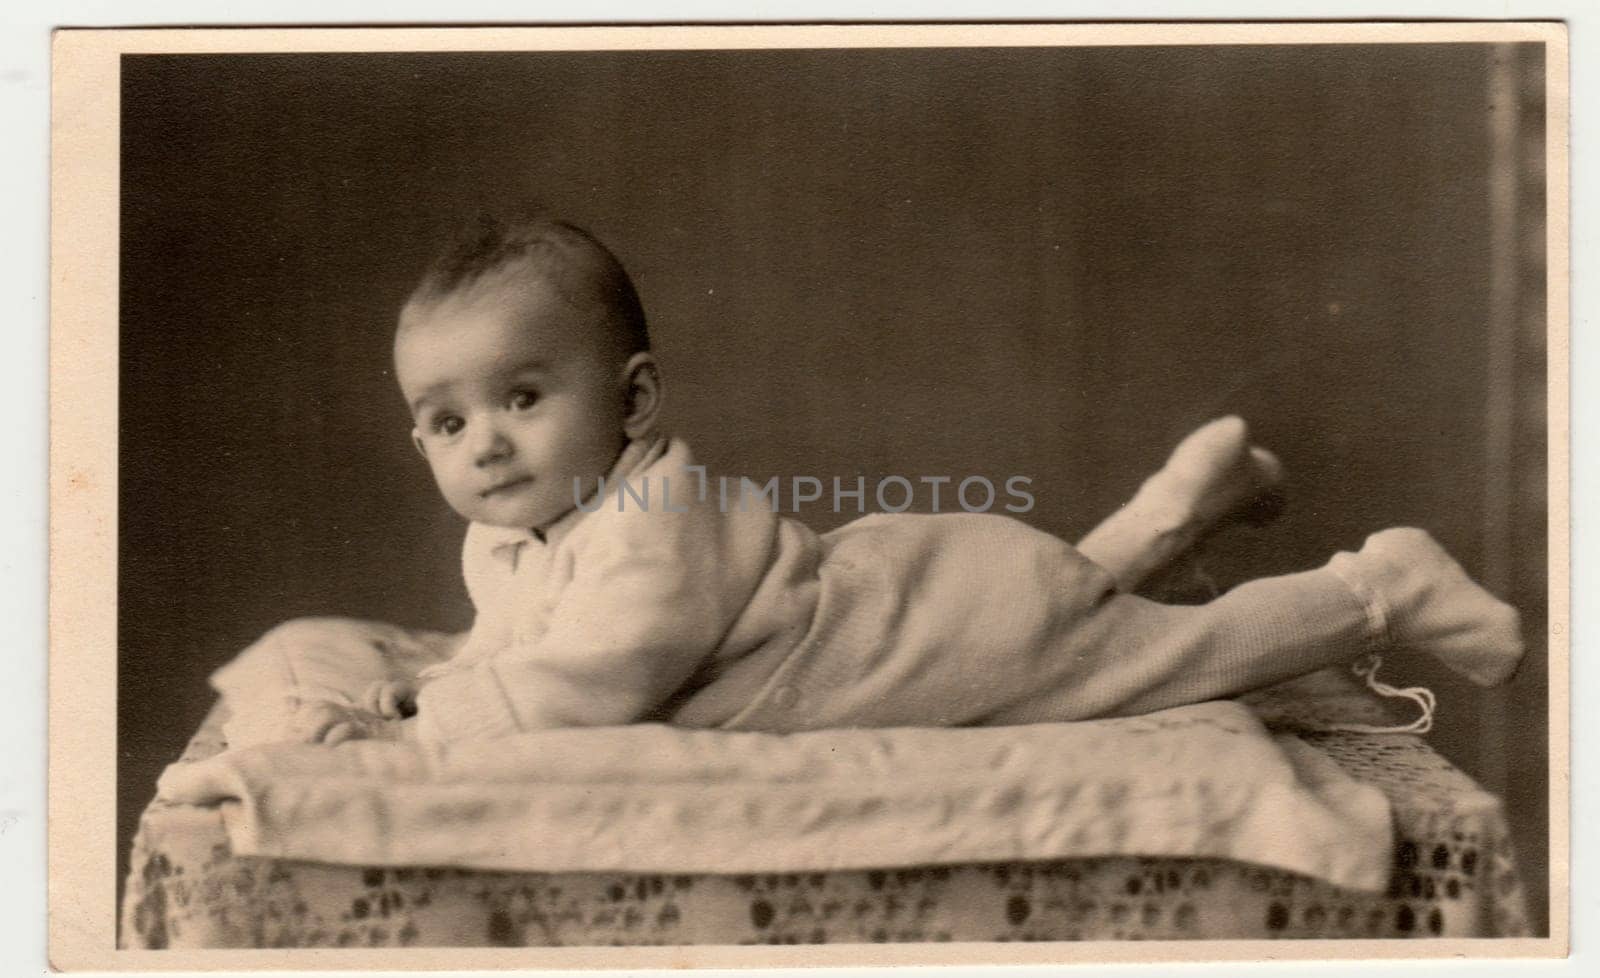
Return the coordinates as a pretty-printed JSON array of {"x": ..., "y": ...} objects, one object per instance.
[{"x": 1199, "y": 781}]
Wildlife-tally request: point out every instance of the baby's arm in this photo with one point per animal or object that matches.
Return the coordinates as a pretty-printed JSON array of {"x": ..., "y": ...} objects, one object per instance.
[{"x": 651, "y": 595}]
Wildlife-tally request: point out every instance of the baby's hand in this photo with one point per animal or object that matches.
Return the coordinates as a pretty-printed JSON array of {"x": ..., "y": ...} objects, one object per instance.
[
  {"x": 394, "y": 699},
  {"x": 334, "y": 723}
]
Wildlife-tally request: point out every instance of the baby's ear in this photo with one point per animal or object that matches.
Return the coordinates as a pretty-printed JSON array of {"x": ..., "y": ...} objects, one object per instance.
[
  {"x": 416, "y": 441},
  {"x": 645, "y": 393}
]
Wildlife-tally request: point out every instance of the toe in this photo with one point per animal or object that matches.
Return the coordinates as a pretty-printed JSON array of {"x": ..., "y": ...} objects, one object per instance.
[
  {"x": 1230, "y": 425},
  {"x": 1221, "y": 437}
]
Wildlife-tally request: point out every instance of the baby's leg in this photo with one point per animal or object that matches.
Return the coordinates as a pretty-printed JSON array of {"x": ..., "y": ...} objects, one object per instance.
[
  {"x": 1400, "y": 592},
  {"x": 1212, "y": 475},
  {"x": 949, "y": 621}
]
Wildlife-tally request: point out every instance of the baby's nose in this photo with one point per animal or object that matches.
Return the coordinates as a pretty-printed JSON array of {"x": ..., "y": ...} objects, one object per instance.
[{"x": 492, "y": 446}]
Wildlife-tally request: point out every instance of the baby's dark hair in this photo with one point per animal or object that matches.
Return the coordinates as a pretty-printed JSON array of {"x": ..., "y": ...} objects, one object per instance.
[{"x": 581, "y": 269}]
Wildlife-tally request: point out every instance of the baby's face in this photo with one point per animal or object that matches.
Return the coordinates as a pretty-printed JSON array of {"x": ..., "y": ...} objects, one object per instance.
[{"x": 513, "y": 395}]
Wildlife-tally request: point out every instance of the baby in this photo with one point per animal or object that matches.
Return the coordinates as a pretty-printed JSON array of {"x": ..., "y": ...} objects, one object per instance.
[{"x": 524, "y": 358}]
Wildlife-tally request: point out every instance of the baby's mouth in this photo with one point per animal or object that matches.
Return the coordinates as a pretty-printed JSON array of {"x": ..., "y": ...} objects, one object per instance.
[{"x": 509, "y": 484}]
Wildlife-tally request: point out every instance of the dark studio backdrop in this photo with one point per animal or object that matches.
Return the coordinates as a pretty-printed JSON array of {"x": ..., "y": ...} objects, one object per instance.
[{"x": 1041, "y": 262}]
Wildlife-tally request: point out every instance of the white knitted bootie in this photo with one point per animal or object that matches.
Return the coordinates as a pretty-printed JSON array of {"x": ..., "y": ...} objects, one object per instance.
[{"x": 1419, "y": 599}]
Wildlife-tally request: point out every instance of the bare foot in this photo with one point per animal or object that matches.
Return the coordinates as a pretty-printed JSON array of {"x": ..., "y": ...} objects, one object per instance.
[{"x": 1432, "y": 606}]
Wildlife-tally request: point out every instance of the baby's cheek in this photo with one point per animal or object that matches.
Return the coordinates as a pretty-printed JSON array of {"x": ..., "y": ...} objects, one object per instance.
[{"x": 453, "y": 483}]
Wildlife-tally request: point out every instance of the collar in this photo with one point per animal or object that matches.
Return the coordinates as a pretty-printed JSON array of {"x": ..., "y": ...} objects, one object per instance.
[{"x": 506, "y": 543}]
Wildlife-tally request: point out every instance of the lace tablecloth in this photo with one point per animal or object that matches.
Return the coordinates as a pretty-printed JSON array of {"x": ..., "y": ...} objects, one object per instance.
[{"x": 1453, "y": 877}]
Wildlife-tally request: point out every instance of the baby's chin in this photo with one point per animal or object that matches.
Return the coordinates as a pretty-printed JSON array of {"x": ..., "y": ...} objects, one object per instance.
[
  {"x": 538, "y": 526},
  {"x": 533, "y": 507},
  {"x": 518, "y": 518}
]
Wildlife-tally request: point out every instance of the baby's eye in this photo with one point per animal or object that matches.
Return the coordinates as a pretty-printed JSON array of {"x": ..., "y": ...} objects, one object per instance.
[
  {"x": 522, "y": 400},
  {"x": 448, "y": 424}
]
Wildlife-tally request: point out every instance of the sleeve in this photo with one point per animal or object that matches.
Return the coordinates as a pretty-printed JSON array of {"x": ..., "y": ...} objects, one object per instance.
[
  {"x": 652, "y": 594},
  {"x": 484, "y": 576},
  {"x": 480, "y": 571}
]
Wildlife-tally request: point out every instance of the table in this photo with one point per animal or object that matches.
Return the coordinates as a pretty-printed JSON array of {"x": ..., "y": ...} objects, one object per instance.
[{"x": 1454, "y": 876}]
